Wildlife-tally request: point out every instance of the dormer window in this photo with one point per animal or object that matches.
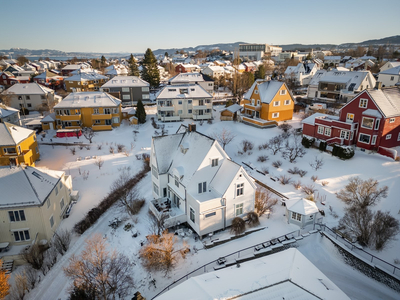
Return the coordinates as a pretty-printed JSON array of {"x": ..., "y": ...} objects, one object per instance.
[
  {"x": 282, "y": 92},
  {"x": 202, "y": 187},
  {"x": 363, "y": 103},
  {"x": 214, "y": 162}
]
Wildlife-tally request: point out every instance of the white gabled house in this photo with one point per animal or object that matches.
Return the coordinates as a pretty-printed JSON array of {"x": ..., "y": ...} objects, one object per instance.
[{"x": 195, "y": 182}]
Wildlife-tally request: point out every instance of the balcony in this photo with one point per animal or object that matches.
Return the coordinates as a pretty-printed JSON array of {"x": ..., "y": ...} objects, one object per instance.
[
  {"x": 197, "y": 107},
  {"x": 69, "y": 117},
  {"x": 169, "y": 118},
  {"x": 101, "y": 116},
  {"x": 166, "y": 108},
  {"x": 252, "y": 107},
  {"x": 24, "y": 158},
  {"x": 261, "y": 123},
  {"x": 101, "y": 127},
  {"x": 162, "y": 207},
  {"x": 202, "y": 117}
]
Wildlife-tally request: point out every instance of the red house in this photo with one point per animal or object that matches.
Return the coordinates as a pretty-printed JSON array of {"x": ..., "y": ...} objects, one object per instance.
[
  {"x": 186, "y": 68},
  {"x": 371, "y": 120},
  {"x": 5, "y": 78}
]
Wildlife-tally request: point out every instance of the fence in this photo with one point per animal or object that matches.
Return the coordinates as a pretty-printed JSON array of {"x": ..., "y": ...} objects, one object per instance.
[
  {"x": 234, "y": 257},
  {"x": 357, "y": 249}
]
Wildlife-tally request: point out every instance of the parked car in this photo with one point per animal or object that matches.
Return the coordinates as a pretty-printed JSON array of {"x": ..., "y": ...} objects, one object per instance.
[{"x": 317, "y": 106}]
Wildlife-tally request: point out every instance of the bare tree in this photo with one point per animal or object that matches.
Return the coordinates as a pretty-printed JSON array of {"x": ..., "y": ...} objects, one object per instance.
[
  {"x": 358, "y": 221},
  {"x": 384, "y": 229},
  {"x": 309, "y": 189},
  {"x": 224, "y": 137},
  {"x": 99, "y": 162},
  {"x": 33, "y": 255},
  {"x": 362, "y": 193},
  {"x": 238, "y": 226},
  {"x": 275, "y": 144},
  {"x": 62, "y": 239},
  {"x": 293, "y": 150},
  {"x": 6, "y": 98},
  {"x": 88, "y": 133},
  {"x": 20, "y": 287},
  {"x": 106, "y": 273},
  {"x": 4, "y": 285},
  {"x": 159, "y": 253},
  {"x": 317, "y": 163},
  {"x": 50, "y": 259},
  {"x": 157, "y": 225},
  {"x": 131, "y": 202}
]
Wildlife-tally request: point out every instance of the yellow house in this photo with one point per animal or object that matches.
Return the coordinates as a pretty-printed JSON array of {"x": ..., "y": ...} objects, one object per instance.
[
  {"x": 33, "y": 202},
  {"x": 18, "y": 145},
  {"x": 97, "y": 110},
  {"x": 49, "y": 122},
  {"x": 85, "y": 82},
  {"x": 267, "y": 102}
]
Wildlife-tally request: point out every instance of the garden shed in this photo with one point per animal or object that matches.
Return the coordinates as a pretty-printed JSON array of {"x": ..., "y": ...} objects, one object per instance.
[{"x": 301, "y": 212}]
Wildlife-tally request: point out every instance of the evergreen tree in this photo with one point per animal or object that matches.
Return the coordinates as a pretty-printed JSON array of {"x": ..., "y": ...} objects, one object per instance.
[
  {"x": 166, "y": 54},
  {"x": 133, "y": 67},
  {"x": 140, "y": 112},
  {"x": 260, "y": 73},
  {"x": 309, "y": 57},
  {"x": 150, "y": 72},
  {"x": 103, "y": 60}
]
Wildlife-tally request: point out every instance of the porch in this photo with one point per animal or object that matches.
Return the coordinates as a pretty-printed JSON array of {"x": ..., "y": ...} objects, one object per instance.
[
  {"x": 260, "y": 123},
  {"x": 163, "y": 207}
]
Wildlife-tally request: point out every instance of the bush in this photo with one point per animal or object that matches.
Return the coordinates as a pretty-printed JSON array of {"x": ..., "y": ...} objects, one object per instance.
[
  {"x": 342, "y": 152},
  {"x": 277, "y": 164},
  {"x": 306, "y": 142},
  {"x": 296, "y": 170},
  {"x": 246, "y": 145},
  {"x": 314, "y": 178},
  {"x": 309, "y": 189},
  {"x": 324, "y": 183},
  {"x": 120, "y": 148},
  {"x": 283, "y": 179},
  {"x": 238, "y": 226},
  {"x": 302, "y": 173},
  {"x": 111, "y": 149},
  {"x": 265, "y": 170},
  {"x": 297, "y": 184},
  {"x": 252, "y": 218},
  {"x": 322, "y": 146},
  {"x": 24, "y": 111},
  {"x": 73, "y": 150},
  {"x": 262, "y": 158},
  {"x": 285, "y": 127}
]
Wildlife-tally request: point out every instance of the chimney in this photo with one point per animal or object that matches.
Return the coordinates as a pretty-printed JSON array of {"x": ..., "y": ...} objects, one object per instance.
[
  {"x": 378, "y": 85},
  {"x": 192, "y": 127}
]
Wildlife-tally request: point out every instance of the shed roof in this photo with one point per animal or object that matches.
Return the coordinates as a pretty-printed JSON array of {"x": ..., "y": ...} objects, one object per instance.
[{"x": 302, "y": 206}]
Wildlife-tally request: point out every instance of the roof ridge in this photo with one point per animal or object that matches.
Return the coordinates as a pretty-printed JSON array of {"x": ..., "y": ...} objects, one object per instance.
[{"x": 33, "y": 188}]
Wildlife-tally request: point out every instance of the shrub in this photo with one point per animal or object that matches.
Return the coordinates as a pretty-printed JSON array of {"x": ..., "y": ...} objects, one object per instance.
[
  {"x": 342, "y": 152},
  {"x": 262, "y": 158},
  {"x": 80, "y": 147},
  {"x": 285, "y": 179},
  {"x": 302, "y": 173},
  {"x": 314, "y": 178},
  {"x": 238, "y": 226},
  {"x": 293, "y": 171},
  {"x": 209, "y": 121},
  {"x": 322, "y": 146},
  {"x": 306, "y": 142},
  {"x": 277, "y": 164},
  {"x": 265, "y": 170},
  {"x": 120, "y": 148},
  {"x": 297, "y": 184},
  {"x": 309, "y": 189},
  {"x": 285, "y": 127},
  {"x": 252, "y": 218},
  {"x": 99, "y": 147},
  {"x": 87, "y": 147},
  {"x": 324, "y": 183},
  {"x": 73, "y": 150},
  {"x": 246, "y": 145}
]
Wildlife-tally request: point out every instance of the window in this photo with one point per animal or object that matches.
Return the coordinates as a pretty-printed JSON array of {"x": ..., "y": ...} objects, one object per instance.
[
  {"x": 208, "y": 111},
  {"x": 367, "y": 123},
  {"x": 388, "y": 136},
  {"x": 154, "y": 171},
  {"x": 126, "y": 97},
  {"x": 96, "y": 111},
  {"x": 48, "y": 202},
  {"x": 56, "y": 188},
  {"x": 180, "y": 102},
  {"x": 189, "y": 101},
  {"x": 43, "y": 97},
  {"x": 115, "y": 110},
  {"x": 189, "y": 111},
  {"x": 391, "y": 78},
  {"x": 277, "y": 103},
  {"x": 238, "y": 209},
  {"x": 22, "y": 235},
  {"x": 176, "y": 181},
  {"x": 29, "y": 105},
  {"x": 145, "y": 89},
  {"x": 16, "y": 215},
  {"x": 62, "y": 203},
  {"x": 97, "y": 122},
  {"x": 364, "y": 138},
  {"x": 256, "y": 92},
  {"x": 9, "y": 151},
  {"x": 296, "y": 216},
  {"x": 115, "y": 120},
  {"x": 377, "y": 122},
  {"x": 28, "y": 98},
  {"x": 107, "y": 111},
  {"x": 373, "y": 139},
  {"x": 108, "y": 122},
  {"x": 391, "y": 120},
  {"x": 192, "y": 216},
  {"x": 239, "y": 189},
  {"x": 275, "y": 115},
  {"x": 125, "y": 90},
  {"x": 146, "y": 96},
  {"x": 202, "y": 187},
  {"x": 51, "y": 221},
  {"x": 344, "y": 134},
  {"x": 180, "y": 112},
  {"x": 19, "y": 149},
  {"x": 258, "y": 102},
  {"x": 66, "y": 112},
  {"x": 282, "y": 92},
  {"x": 61, "y": 184},
  {"x": 210, "y": 214},
  {"x": 398, "y": 137},
  {"x": 327, "y": 131},
  {"x": 201, "y": 102},
  {"x": 287, "y": 102},
  {"x": 363, "y": 103},
  {"x": 155, "y": 188},
  {"x": 214, "y": 162}
]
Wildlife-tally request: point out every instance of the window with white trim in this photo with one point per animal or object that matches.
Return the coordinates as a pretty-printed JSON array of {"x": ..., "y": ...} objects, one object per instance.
[
  {"x": 239, "y": 189},
  {"x": 176, "y": 181},
  {"x": 16, "y": 215},
  {"x": 391, "y": 120},
  {"x": 367, "y": 123},
  {"x": 398, "y": 137},
  {"x": 126, "y": 97},
  {"x": 363, "y": 103},
  {"x": 146, "y": 96},
  {"x": 214, "y": 162},
  {"x": 275, "y": 115},
  {"x": 125, "y": 90},
  {"x": 364, "y": 138},
  {"x": 192, "y": 215},
  {"x": 277, "y": 103},
  {"x": 155, "y": 188},
  {"x": 287, "y": 102},
  {"x": 238, "y": 209},
  {"x": 377, "y": 122},
  {"x": 296, "y": 216},
  {"x": 51, "y": 221},
  {"x": 154, "y": 171},
  {"x": 210, "y": 214},
  {"x": 388, "y": 136},
  {"x": 373, "y": 141},
  {"x": 282, "y": 92},
  {"x": 22, "y": 235},
  {"x": 62, "y": 203},
  {"x": 328, "y": 131},
  {"x": 349, "y": 117},
  {"x": 202, "y": 187},
  {"x": 320, "y": 130}
]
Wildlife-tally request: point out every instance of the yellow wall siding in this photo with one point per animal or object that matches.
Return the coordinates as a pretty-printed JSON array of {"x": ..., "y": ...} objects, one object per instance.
[
  {"x": 285, "y": 111},
  {"x": 24, "y": 156}
]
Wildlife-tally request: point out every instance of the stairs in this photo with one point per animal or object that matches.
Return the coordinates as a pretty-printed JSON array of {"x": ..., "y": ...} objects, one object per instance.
[{"x": 8, "y": 266}]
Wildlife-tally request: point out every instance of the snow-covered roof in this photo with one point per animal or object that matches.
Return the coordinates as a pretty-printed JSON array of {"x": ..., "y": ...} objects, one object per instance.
[
  {"x": 6, "y": 111},
  {"x": 11, "y": 135},
  {"x": 387, "y": 100},
  {"x": 72, "y": 67},
  {"x": 28, "y": 89},
  {"x": 164, "y": 148},
  {"x": 302, "y": 206},
  {"x": 186, "y": 78},
  {"x": 332, "y": 58},
  {"x": 311, "y": 119},
  {"x": 233, "y": 108},
  {"x": 392, "y": 71},
  {"x": 284, "y": 275},
  {"x": 88, "y": 99},
  {"x": 125, "y": 81},
  {"x": 86, "y": 76},
  {"x": 46, "y": 74},
  {"x": 225, "y": 175},
  {"x": 340, "y": 76},
  {"x": 26, "y": 186},
  {"x": 266, "y": 89},
  {"x": 49, "y": 118},
  {"x": 129, "y": 110},
  {"x": 183, "y": 91},
  {"x": 372, "y": 113}
]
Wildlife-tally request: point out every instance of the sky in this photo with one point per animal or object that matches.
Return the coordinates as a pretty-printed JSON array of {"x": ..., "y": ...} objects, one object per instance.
[{"x": 133, "y": 26}]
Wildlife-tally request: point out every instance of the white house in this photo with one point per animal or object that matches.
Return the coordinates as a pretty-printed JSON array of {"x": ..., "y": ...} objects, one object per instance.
[
  {"x": 302, "y": 73},
  {"x": 332, "y": 60},
  {"x": 195, "y": 182},
  {"x": 10, "y": 115},
  {"x": 390, "y": 77},
  {"x": 193, "y": 78},
  {"x": 214, "y": 71},
  {"x": 389, "y": 65},
  {"x": 284, "y": 275},
  {"x": 176, "y": 102},
  {"x": 339, "y": 85}
]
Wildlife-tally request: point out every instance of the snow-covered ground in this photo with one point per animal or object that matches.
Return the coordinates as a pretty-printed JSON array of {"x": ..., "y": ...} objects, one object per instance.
[{"x": 97, "y": 184}]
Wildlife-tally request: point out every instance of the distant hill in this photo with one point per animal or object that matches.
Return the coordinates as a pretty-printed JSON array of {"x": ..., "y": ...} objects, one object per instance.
[
  {"x": 392, "y": 40},
  {"x": 226, "y": 47}
]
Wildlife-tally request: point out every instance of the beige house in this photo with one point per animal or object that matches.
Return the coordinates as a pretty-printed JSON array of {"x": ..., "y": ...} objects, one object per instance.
[{"x": 33, "y": 202}]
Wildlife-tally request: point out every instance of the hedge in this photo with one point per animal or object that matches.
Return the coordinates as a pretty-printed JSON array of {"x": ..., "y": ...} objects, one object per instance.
[{"x": 342, "y": 152}]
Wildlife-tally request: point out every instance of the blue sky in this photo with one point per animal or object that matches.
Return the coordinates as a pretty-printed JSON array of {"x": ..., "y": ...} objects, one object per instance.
[{"x": 133, "y": 26}]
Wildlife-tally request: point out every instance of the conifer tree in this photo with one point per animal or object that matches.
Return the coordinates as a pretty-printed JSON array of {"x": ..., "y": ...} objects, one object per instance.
[
  {"x": 150, "y": 72},
  {"x": 140, "y": 112},
  {"x": 260, "y": 73},
  {"x": 133, "y": 67}
]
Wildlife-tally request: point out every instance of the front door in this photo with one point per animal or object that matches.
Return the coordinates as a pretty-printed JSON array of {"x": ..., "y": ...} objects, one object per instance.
[{"x": 51, "y": 125}]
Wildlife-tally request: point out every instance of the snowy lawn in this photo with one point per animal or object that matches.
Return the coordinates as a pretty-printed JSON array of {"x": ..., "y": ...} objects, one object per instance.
[{"x": 94, "y": 184}]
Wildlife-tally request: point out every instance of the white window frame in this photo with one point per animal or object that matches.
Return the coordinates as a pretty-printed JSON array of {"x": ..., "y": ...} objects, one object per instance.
[
  {"x": 369, "y": 128},
  {"x": 377, "y": 123},
  {"x": 275, "y": 115},
  {"x": 348, "y": 118},
  {"x": 391, "y": 120},
  {"x": 388, "y": 136},
  {"x": 214, "y": 162},
  {"x": 192, "y": 212},
  {"x": 156, "y": 189},
  {"x": 296, "y": 216},
  {"x": 287, "y": 102},
  {"x": 211, "y": 214},
  {"x": 359, "y": 138},
  {"x": 373, "y": 141},
  {"x": 202, "y": 187},
  {"x": 328, "y": 131},
  {"x": 277, "y": 103},
  {"x": 19, "y": 235},
  {"x": 282, "y": 92},
  {"x": 321, "y": 130},
  {"x": 363, "y": 103},
  {"x": 239, "y": 209},
  {"x": 240, "y": 189}
]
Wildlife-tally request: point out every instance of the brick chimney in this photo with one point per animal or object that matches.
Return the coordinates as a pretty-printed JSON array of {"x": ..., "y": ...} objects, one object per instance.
[{"x": 378, "y": 85}]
